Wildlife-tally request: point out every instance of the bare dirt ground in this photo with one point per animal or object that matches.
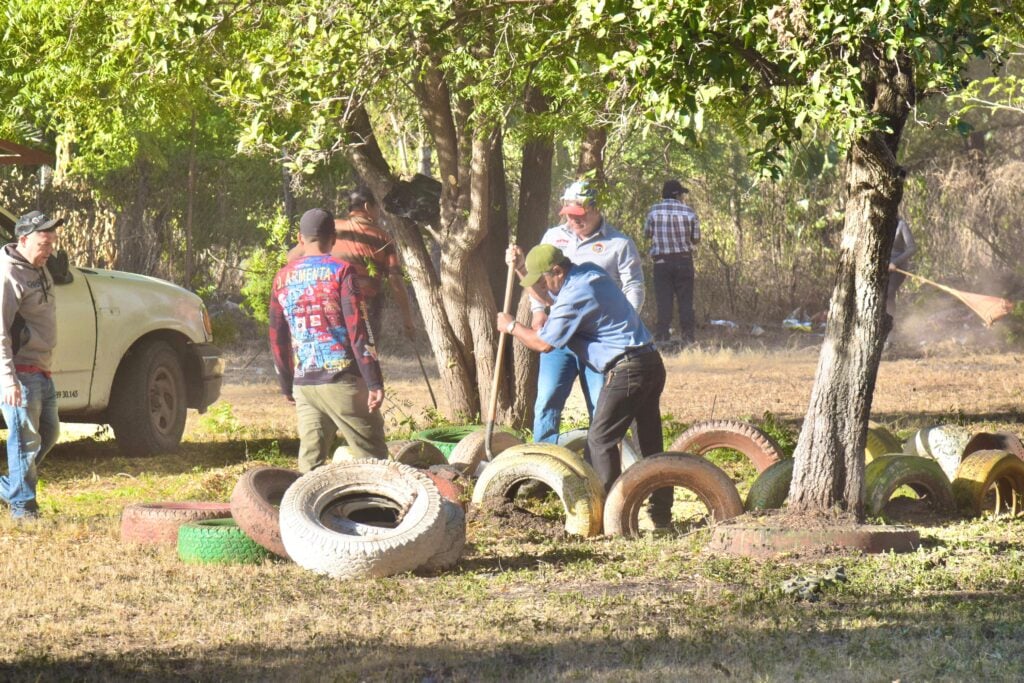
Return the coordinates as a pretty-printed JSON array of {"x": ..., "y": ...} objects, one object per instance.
[{"x": 950, "y": 383}]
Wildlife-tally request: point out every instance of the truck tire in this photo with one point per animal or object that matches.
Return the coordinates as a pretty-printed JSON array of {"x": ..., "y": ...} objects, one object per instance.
[
  {"x": 506, "y": 474},
  {"x": 254, "y": 505},
  {"x": 760, "y": 449},
  {"x": 158, "y": 523},
  {"x": 218, "y": 541},
  {"x": 989, "y": 482},
  {"x": 148, "y": 400},
  {"x": 711, "y": 485},
  {"x": 886, "y": 473},
  {"x": 320, "y": 535},
  {"x": 445, "y": 438},
  {"x": 771, "y": 488}
]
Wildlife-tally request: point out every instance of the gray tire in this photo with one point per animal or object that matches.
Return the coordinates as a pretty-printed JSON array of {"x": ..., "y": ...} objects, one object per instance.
[
  {"x": 576, "y": 440},
  {"x": 470, "y": 453},
  {"x": 148, "y": 401},
  {"x": 319, "y": 535}
]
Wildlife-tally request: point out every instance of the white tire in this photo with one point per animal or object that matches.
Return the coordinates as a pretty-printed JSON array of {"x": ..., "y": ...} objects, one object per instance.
[
  {"x": 454, "y": 540},
  {"x": 318, "y": 535}
]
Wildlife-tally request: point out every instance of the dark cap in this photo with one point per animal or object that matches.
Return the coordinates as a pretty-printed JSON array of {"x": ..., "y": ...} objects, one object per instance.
[
  {"x": 36, "y": 221},
  {"x": 672, "y": 188},
  {"x": 539, "y": 261},
  {"x": 316, "y": 223}
]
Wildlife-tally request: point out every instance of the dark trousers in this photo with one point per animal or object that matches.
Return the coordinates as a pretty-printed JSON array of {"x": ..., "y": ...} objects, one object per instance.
[
  {"x": 673, "y": 278},
  {"x": 632, "y": 391}
]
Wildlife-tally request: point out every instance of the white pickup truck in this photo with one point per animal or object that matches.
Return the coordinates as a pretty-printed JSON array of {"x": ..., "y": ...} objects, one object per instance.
[{"x": 132, "y": 351}]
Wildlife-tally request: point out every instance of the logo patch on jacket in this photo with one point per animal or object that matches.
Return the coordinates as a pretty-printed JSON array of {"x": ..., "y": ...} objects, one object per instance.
[{"x": 598, "y": 248}]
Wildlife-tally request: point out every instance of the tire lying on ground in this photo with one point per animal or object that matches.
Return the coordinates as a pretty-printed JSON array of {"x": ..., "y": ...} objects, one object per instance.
[
  {"x": 218, "y": 541},
  {"x": 416, "y": 453},
  {"x": 446, "y": 438},
  {"x": 758, "y": 447},
  {"x": 469, "y": 453},
  {"x": 576, "y": 440},
  {"x": 711, "y": 485},
  {"x": 880, "y": 441},
  {"x": 887, "y": 473},
  {"x": 157, "y": 523},
  {"x": 771, "y": 488},
  {"x": 989, "y": 482},
  {"x": 254, "y": 505},
  {"x": 454, "y": 540},
  {"x": 320, "y": 535},
  {"x": 504, "y": 475}
]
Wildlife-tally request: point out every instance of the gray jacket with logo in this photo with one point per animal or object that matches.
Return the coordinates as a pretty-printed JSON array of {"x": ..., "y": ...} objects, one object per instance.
[{"x": 29, "y": 315}]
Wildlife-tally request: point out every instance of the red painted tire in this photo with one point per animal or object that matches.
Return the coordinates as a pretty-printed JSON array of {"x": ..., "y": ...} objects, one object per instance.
[
  {"x": 450, "y": 482},
  {"x": 711, "y": 485},
  {"x": 994, "y": 441},
  {"x": 760, "y": 449},
  {"x": 158, "y": 523},
  {"x": 254, "y": 504}
]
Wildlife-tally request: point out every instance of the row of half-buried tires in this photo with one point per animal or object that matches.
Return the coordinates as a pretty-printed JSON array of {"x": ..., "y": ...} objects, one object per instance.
[
  {"x": 985, "y": 482},
  {"x": 328, "y": 536}
]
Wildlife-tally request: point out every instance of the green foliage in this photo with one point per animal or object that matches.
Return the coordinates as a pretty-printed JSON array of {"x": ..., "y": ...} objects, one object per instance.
[
  {"x": 784, "y": 434},
  {"x": 263, "y": 264},
  {"x": 220, "y": 420}
]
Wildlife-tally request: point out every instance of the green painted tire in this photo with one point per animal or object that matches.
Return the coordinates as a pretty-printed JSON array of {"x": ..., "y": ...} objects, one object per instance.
[
  {"x": 771, "y": 488},
  {"x": 445, "y": 439},
  {"x": 885, "y": 474},
  {"x": 218, "y": 541}
]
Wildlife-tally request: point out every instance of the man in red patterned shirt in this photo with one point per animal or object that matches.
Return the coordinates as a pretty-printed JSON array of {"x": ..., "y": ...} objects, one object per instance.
[{"x": 325, "y": 361}]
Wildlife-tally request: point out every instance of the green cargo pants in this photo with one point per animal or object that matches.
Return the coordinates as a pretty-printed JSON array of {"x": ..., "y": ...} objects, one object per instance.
[{"x": 325, "y": 409}]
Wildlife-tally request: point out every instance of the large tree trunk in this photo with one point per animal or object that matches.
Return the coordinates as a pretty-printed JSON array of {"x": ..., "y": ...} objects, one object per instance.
[
  {"x": 531, "y": 223},
  {"x": 829, "y": 468},
  {"x": 454, "y": 368}
]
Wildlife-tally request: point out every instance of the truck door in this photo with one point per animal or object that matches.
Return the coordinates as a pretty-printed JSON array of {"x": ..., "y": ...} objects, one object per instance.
[{"x": 75, "y": 354}]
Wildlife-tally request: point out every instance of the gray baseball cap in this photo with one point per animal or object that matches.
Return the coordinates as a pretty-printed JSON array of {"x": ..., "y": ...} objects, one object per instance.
[{"x": 36, "y": 221}]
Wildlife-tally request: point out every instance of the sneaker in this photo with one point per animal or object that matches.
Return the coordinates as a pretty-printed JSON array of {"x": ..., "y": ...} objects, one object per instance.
[{"x": 22, "y": 516}]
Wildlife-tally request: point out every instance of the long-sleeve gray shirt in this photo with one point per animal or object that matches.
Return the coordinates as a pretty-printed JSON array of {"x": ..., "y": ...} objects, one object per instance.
[{"x": 605, "y": 247}]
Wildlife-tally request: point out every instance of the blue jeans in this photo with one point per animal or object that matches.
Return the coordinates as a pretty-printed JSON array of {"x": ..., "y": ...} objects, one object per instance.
[
  {"x": 33, "y": 428},
  {"x": 559, "y": 368}
]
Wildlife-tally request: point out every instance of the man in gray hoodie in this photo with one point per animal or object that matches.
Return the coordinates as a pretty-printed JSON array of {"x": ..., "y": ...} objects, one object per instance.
[{"x": 27, "y": 337}]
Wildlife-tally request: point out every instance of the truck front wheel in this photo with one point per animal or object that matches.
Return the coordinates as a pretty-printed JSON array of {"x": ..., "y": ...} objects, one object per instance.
[{"x": 147, "y": 406}]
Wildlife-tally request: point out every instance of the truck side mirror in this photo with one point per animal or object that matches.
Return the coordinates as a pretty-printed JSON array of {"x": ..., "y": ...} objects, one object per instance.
[{"x": 60, "y": 270}]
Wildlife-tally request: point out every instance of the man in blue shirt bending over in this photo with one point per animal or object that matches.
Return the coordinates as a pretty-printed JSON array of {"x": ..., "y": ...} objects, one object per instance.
[{"x": 592, "y": 317}]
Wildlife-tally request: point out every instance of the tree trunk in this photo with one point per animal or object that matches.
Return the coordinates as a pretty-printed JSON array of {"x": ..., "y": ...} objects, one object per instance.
[
  {"x": 829, "y": 459},
  {"x": 531, "y": 223},
  {"x": 457, "y": 306},
  {"x": 591, "y": 161}
]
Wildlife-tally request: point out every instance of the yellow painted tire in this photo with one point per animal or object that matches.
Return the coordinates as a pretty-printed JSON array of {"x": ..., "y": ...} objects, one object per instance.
[
  {"x": 880, "y": 441},
  {"x": 503, "y": 476},
  {"x": 572, "y": 459},
  {"x": 990, "y": 482}
]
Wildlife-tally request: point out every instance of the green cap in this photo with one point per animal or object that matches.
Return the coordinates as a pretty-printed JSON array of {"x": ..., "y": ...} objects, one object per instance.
[{"x": 539, "y": 261}]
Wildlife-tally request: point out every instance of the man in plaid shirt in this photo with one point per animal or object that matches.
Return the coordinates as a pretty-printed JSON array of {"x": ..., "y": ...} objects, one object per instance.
[{"x": 674, "y": 231}]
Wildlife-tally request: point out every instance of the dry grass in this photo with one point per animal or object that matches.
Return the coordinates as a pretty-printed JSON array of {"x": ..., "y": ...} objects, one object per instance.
[{"x": 77, "y": 604}]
